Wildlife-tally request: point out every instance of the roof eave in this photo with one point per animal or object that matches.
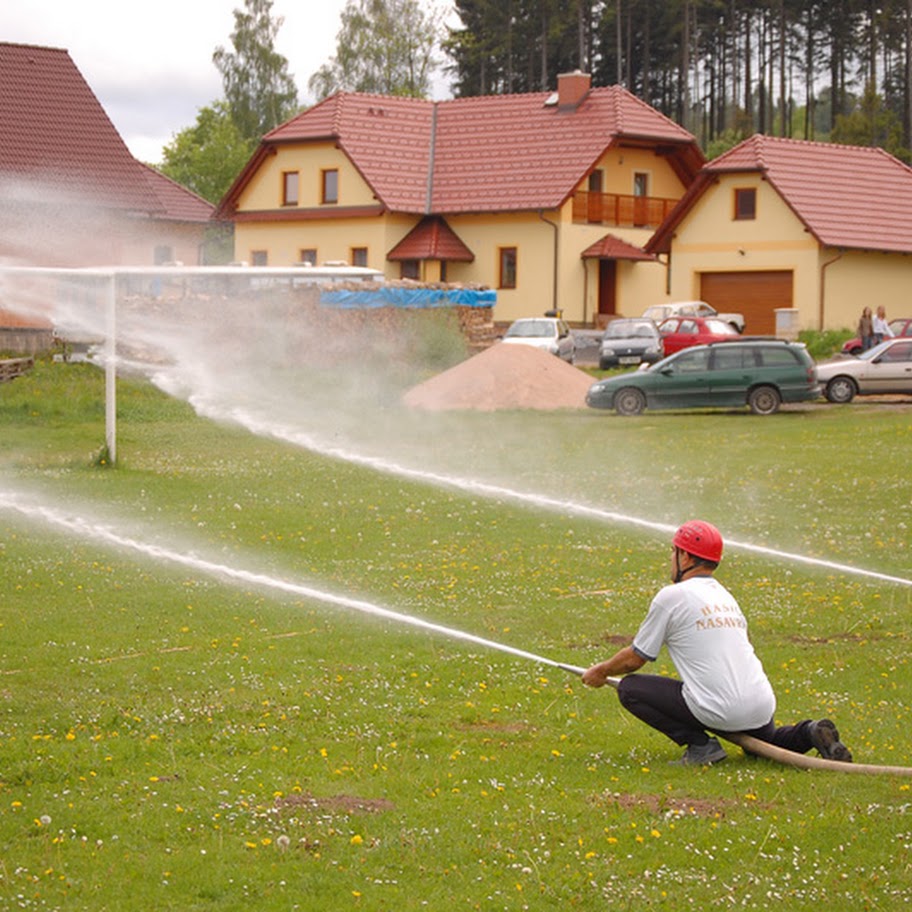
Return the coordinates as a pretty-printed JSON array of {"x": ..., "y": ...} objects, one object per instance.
[
  {"x": 660, "y": 242},
  {"x": 228, "y": 204}
]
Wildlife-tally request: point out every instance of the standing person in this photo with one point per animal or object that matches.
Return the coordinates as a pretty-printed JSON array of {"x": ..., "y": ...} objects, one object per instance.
[
  {"x": 881, "y": 327},
  {"x": 866, "y": 329},
  {"x": 722, "y": 686}
]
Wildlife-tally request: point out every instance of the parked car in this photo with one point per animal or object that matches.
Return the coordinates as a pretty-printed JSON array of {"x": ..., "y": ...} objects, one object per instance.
[
  {"x": 885, "y": 368},
  {"x": 659, "y": 312},
  {"x": 551, "y": 334},
  {"x": 682, "y": 332},
  {"x": 759, "y": 373},
  {"x": 901, "y": 327},
  {"x": 630, "y": 341}
]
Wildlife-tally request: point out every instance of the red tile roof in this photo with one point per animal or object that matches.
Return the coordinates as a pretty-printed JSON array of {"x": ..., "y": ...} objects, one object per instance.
[
  {"x": 10, "y": 319},
  {"x": 178, "y": 203},
  {"x": 492, "y": 153},
  {"x": 515, "y": 152},
  {"x": 388, "y": 139},
  {"x": 614, "y": 248},
  {"x": 53, "y": 130},
  {"x": 431, "y": 239},
  {"x": 846, "y": 196}
]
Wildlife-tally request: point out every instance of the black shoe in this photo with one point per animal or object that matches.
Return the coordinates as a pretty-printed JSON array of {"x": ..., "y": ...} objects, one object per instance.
[
  {"x": 702, "y": 754},
  {"x": 825, "y": 738}
]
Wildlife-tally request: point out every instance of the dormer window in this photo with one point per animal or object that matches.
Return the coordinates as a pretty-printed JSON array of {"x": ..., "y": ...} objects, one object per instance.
[
  {"x": 745, "y": 203},
  {"x": 330, "y": 185}
]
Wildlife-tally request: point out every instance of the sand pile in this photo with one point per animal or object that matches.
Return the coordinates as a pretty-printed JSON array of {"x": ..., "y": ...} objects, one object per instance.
[{"x": 504, "y": 377}]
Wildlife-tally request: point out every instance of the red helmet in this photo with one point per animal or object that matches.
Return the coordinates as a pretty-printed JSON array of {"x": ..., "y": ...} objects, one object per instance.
[{"x": 701, "y": 539}]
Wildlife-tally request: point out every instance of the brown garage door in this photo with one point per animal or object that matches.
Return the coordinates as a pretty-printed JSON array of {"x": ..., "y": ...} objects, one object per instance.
[{"x": 754, "y": 294}]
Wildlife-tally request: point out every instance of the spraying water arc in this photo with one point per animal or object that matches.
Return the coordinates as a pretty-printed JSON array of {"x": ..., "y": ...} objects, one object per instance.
[
  {"x": 214, "y": 394},
  {"x": 111, "y": 538}
]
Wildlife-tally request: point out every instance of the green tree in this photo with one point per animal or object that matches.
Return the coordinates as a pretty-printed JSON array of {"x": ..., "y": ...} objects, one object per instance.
[
  {"x": 208, "y": 156},
  {"x": 258, "y": 88},
  {"x": 871, "y": 124},
  {"x": 383, "y": 46}
]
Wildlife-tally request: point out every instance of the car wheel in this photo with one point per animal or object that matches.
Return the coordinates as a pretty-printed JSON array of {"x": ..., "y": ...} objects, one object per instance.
[
  {"x": 629, "y": 401},
  {"x": 840, "y": 390},
  {"x": 764, "y": 400}
]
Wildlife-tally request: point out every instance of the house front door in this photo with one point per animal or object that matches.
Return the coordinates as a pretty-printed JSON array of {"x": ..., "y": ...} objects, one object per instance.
[{"x": 607, "y": 291}]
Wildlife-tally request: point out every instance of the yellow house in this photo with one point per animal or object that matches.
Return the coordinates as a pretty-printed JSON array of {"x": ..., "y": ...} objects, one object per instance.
[
  {"x": 793, "y": 232},
  {"x": 548, "y": 198}
]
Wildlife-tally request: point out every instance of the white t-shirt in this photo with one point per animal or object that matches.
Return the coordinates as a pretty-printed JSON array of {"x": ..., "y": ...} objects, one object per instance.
[
  {"x": 881, "y": 326},
  {"x": 700, "y": 622}
]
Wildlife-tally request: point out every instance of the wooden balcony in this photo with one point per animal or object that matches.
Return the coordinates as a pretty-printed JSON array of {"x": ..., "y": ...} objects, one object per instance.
[{"x": 618, "y": 209}]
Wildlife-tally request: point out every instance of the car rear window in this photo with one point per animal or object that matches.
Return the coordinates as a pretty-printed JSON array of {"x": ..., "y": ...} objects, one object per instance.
[{"x": 777, "y": 356}]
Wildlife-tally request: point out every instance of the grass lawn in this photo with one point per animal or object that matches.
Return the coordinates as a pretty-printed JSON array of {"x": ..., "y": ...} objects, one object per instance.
[{"x": 175, "y": 739}]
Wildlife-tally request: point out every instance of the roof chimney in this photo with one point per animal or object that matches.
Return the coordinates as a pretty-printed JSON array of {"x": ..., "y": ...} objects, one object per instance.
[{"x": 572, "y": 88}]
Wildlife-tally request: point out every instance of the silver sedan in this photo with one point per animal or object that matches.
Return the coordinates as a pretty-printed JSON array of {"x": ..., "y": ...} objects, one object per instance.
[{"x": 886, "y": 368}]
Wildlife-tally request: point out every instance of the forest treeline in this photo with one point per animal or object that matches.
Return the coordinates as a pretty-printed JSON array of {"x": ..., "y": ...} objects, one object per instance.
[{"x": 837, "y": 70}]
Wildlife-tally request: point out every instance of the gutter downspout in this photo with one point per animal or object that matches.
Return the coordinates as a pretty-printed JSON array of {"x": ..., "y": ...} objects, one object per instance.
[
  {"x": 429, "y": 187},
  {"x": 586, "y": 292},
  {"x": 822, "y": 302},
  {"x": 556, "y": 228}
]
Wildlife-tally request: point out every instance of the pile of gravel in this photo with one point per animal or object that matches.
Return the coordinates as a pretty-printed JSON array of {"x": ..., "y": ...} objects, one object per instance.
[{"x": 504, "y": 376}]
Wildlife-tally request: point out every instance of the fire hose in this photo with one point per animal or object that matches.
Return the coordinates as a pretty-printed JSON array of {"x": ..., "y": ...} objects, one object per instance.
[{"x": 753, "y": 745}]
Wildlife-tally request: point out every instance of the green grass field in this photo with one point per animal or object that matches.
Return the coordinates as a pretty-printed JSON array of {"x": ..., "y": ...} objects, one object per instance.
[{"x": 171, "y": 739}]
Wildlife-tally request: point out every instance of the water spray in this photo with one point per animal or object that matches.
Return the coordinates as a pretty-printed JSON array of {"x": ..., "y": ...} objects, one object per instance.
[
  {"x": 264, "y": 427},
  {"x": 186, "y": 377},
  {"x": 84, "y": 529},
  {"x": 257, "y": 422},
  {"x": 109, "y": 537}
]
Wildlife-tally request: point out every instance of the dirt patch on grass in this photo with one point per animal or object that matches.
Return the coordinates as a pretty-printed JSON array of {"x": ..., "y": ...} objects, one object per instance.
[
  {"x": 504, "y": 377},
  {"x": 667, "y": 805},
  {"x": 505, "y": 728},
  {"x": 345, "y": 804}
]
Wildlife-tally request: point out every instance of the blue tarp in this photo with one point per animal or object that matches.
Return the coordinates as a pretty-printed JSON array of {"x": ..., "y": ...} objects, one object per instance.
[{"x": 409, "y": 297}]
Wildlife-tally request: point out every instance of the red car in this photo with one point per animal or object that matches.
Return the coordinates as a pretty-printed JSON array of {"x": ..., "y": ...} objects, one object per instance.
[
  {"x": 902, "y": 326},
  {"x": 682, "y": 332}
]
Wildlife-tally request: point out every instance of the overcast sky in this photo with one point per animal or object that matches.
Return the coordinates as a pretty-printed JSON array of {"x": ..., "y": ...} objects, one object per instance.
[{"x": 150, "y": 63}]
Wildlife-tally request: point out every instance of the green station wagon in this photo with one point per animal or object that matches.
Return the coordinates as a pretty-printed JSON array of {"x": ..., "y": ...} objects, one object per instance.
[{"x": 759, "y": 373}]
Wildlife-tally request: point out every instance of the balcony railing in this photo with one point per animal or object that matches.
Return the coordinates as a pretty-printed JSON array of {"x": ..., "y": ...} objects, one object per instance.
[{"x": 618, "y": 209}]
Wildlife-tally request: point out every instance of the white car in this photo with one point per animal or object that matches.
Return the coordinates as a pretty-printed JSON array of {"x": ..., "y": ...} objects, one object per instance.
[
  {"x": 659, "y": 312},
  {"x": 550, "y": 334},
  {"x": 885, "y": 368}
]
